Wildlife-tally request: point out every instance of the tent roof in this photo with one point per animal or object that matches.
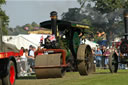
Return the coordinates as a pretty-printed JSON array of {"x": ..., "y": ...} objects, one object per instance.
[{"x": 24, "y": 40}]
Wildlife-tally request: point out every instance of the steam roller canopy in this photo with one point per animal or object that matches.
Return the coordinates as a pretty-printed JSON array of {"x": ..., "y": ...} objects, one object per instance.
[
  {"x": 85, "y": 59},
  {"x": 49, "y": 63}
]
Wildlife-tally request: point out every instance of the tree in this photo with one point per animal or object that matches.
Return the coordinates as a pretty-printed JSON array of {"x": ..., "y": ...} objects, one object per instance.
[
  {"x": 2, "y": 2},
  {"x": 4, "y": 17},
  {"x": 34, "y": 24},
  {"x": 29, "y": 26},
  {"x": 107, "y": 14},
  {"x": 107, "y": 6},
  {"x": 73, "y": 14}
]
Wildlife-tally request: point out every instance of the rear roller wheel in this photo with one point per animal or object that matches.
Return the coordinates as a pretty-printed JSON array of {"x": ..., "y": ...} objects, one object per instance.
[
  {"x": 85, "y": 59},
  {"x": 10, "y": 78},
  {"x": 113, "y": 62}
]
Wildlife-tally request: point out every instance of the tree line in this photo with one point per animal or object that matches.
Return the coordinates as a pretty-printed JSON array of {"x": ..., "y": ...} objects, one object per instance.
[{"x": 23, "y": 29}]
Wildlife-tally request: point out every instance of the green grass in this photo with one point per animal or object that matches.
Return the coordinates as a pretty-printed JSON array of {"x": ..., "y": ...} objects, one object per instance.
[{"x": 101, "y": 77}]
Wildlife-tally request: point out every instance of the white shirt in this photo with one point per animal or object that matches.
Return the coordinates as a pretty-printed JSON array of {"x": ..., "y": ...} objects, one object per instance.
[
  {"x": 31, "y": 53},
  {"x": 23, "y": 58}
]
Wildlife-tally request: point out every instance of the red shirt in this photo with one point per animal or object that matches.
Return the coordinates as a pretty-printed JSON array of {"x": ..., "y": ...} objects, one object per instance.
[{"x": 106, "y": 53}]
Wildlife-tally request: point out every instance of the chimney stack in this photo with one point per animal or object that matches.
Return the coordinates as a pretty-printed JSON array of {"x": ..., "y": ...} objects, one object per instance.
[
  {"x": 53, "y": 16},
  {"x": 126, "y": 23},
  {"x": 1, "y": 47}
]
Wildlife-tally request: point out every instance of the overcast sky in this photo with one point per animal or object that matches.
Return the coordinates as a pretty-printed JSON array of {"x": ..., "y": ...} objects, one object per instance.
[{"x": 22, "y": 12}]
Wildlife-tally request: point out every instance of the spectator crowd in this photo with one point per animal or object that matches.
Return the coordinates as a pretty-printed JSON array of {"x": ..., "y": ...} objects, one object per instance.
[
  {"x": 26, "y": 62},
  {"x": 101, "y": 57}
]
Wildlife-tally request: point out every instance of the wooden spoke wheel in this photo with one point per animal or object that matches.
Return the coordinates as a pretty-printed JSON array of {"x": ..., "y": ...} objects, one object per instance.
[{"x": 85, "y": 59}]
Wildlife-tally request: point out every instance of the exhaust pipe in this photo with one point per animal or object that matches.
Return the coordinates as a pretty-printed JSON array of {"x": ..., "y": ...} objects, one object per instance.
[
  {"x": 53, "y": 16},
  {"x": 1, "y": 47},
  {"x": 126, "y": 23}
]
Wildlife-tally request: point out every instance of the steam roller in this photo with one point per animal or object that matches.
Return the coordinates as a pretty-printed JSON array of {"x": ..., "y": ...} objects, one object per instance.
[
  {"x": 50, "y": 60},
  {"x": 50, "y": 65},
  {"x": 64, "y": 52}
]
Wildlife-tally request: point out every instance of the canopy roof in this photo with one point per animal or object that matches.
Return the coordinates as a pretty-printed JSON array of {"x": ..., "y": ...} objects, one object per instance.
[{"x": 62, "y": 25}]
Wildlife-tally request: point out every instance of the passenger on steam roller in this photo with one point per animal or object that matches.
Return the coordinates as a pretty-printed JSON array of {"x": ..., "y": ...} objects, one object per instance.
[
  {"x": 41, "y": 40},
  {"x": 47, "y": 42},
  {"x": 50, "y": 42}
]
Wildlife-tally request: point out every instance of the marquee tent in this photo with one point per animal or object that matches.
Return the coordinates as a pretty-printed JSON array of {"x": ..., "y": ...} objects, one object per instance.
[{"x": 24, "y": 40}]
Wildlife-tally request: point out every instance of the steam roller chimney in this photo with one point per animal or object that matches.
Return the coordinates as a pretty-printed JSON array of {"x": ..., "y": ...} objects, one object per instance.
[
  {"x": 126, "y": 23},
  {"x": 1, "y": 47},
  {"x": 53, "y": 16}
]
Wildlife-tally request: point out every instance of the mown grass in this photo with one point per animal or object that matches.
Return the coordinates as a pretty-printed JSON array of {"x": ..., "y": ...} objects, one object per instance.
[{"x": 101, "y": 77}]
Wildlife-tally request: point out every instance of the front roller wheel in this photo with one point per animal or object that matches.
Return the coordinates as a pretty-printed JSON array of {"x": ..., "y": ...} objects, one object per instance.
[
  {"x": 113, "y": 62},
  {"x": 48, "y": 66},
  {"x": 10, "y": 78},
  {"x": 85, "y": 59}
]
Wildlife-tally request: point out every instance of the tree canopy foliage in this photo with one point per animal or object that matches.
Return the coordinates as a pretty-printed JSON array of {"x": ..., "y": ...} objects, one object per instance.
[
  {"x": 2, "y": 1},
  {"x": 4, "y": 17},
  {"x": 107, "y": 13},
  {"x": 73, "y": 14},
  {"x": 102, "y": 15},
  {"x": 107, "y": 6},
  {"x": 111, "y": 14}
]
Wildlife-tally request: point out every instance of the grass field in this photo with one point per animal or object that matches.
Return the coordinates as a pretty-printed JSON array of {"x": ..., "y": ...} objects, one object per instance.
[{"x": 101, "y": 77}]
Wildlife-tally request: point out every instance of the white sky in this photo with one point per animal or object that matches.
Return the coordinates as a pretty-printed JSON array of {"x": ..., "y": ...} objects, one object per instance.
[{"x": 22, "y": 12}]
